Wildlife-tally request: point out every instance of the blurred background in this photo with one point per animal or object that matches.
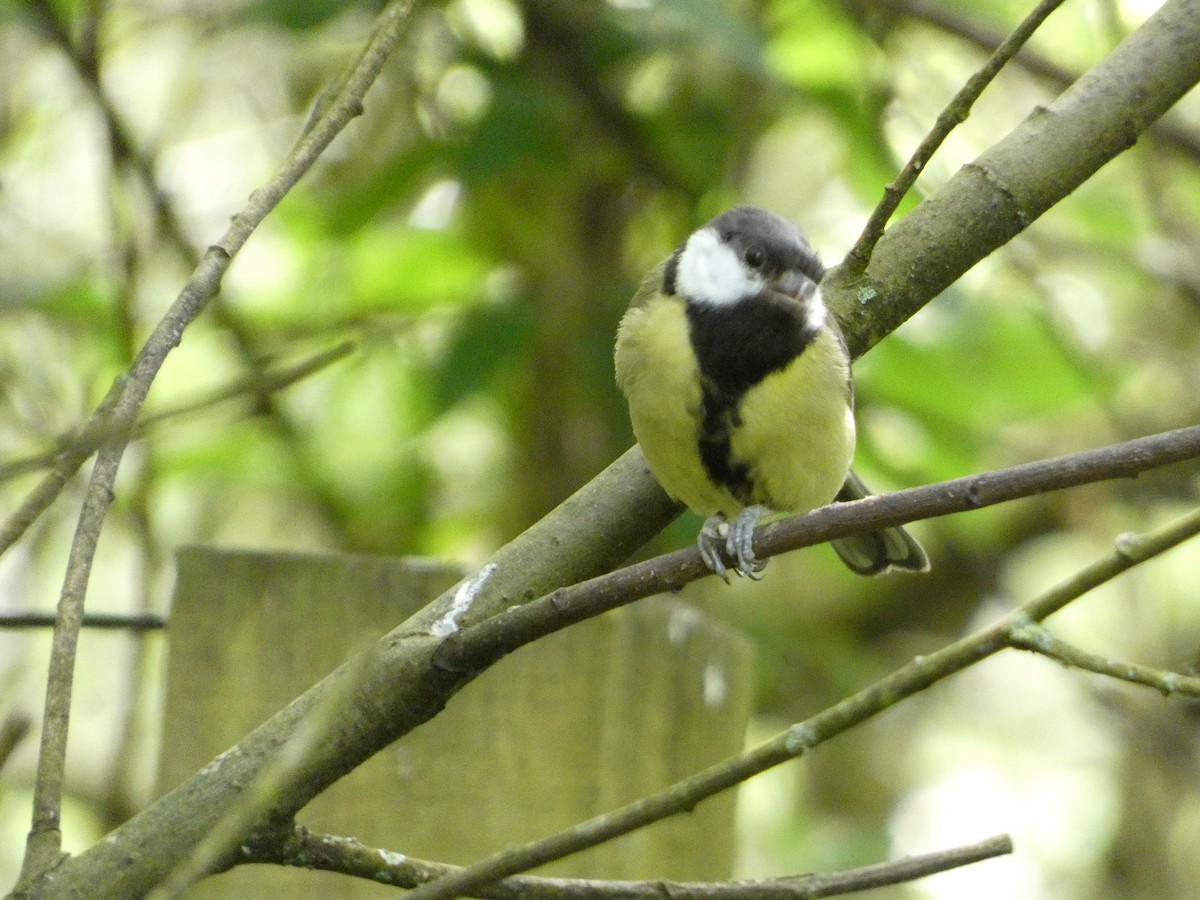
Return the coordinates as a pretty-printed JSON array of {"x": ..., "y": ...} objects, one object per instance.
[{"x": 476, "y": 236}]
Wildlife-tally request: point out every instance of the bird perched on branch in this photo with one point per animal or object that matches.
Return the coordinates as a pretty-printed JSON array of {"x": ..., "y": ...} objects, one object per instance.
[{"x": 739, "y": 389}]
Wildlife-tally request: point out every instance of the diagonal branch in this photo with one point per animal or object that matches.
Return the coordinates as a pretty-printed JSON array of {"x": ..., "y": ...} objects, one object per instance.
[
  {"x": 126, "y": 153},
  {"x": 997, "y": 196},
  {"x": 479, "y": 645},
  {"x": 255, "y": 385},
  {"x": 223, "y": 842},
  {"x": 951, "y": 117},
  {"x": 799, "y": 739},
  {"x": 1051, "y": 154},
  {"x": 413, "y": 673},
  {"x": 1036, "y": 639},
  {"x": 941, "y": 16}
]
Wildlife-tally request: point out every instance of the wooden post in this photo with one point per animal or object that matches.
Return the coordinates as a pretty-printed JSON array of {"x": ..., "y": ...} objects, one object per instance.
[{"x": 573, "y": 725}]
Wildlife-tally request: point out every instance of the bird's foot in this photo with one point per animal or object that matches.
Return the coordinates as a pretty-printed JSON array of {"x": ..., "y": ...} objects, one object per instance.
[
  {"x": 740, "y": 542},
  {"x": 738, "y": 538},
  {"x": 713, "y": 535}
]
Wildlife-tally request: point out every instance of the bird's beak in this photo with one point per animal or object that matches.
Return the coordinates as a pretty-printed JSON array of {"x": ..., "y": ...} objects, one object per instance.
[{"x": 795, "y": 284}]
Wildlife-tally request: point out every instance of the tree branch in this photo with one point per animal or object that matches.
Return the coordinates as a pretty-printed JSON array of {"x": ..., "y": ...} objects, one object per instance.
[
  {"x": 1036, "y": 639},
  {"x": 330, "y": 853},
  {"x": 802, "y": 737},
  {"x": 1051, "y": 154},
  {"x": 221, "y": 846},
  {"x": 102, "y": 621},
  {"x": 951, "y": 117},
  {"x": 941, "y": 16},
  {"x": 126, "y": 152},
  {"x": 86, "y": 441},
  {"x": 413, "y": 674},
  {"x": 484, "y": 641},
  {"x": 124, "y": 149},
  {"x": 43, "y": 848},
  {"x": 992, "y": 199}
]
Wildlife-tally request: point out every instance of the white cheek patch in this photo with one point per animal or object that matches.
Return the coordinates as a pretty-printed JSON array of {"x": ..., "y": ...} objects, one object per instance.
[{"x": 710, "y": 272}]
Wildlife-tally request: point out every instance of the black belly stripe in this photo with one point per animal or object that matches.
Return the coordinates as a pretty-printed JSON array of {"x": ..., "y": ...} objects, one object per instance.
[
  {"x": 719, "y": 416},
  {"x": 737, "y": 346}
]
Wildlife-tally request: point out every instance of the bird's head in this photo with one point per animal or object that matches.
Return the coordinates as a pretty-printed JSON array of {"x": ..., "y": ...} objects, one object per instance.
[{"x": 743, "y": 253}]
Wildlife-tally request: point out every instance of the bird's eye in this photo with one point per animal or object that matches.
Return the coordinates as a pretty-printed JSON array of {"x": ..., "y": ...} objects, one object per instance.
[{"x": 754, "y": 257}]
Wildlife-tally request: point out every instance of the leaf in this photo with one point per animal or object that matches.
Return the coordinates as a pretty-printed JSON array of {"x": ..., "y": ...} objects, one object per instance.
[
  {"x": 409, "y": 269},
  {"x": 487, "y": 339}
]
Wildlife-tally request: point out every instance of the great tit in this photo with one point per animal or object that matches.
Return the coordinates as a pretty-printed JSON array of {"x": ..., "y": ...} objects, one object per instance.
[{"x": 739, "y": 389}]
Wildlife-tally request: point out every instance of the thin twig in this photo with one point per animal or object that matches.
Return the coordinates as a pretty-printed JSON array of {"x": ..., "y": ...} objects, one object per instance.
[
  {"x": 132, "y": 857},
  {"x": 94, "y": 432},
  {"x": 802, "y": 737},
  {"x": 416, "y": 673},
  {"x": 347, "y": 856},
  {"x": 1124, "y": 460},
  {"x": 481, "y": 642},
  {"x": 908, "y": 868},
  {"x": 43, "y": 848},
  {"x": 126, "y": 152},
  {"x": 1037, "y": 639},
  {"x": 221, "y": 845},
  {"x": 16, "y": 621},
  {"x": 44, "y": 844},
  {"x": 952, "y": 116},
  {"x": 942, "y": 16},
  {"x": 124, "y": 148},
  {"x": 253, "y": 385}
]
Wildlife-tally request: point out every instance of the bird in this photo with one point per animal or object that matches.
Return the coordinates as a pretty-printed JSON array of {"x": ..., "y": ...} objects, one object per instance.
[{"x": 739, "y": 389}]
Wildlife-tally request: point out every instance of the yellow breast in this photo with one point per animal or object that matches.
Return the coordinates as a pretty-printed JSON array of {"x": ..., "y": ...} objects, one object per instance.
[
  {"x": 657, "y": 371},
  {"x": 797, "y": 432}
]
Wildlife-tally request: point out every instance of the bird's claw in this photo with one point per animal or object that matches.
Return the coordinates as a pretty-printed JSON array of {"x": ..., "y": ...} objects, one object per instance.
[
  {"x": 712, "y": 536},
  {"x": 740, "y": 543},
  {"x": 738, "y": 540}
]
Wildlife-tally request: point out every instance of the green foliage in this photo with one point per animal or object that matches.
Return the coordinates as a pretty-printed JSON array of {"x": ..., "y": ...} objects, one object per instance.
[
  {"x": 299, "y": 15},
  {"x": 480, "y": 229}
]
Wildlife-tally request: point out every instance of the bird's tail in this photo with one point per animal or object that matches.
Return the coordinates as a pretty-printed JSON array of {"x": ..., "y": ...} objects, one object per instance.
[{"x": 876, "y": 552}]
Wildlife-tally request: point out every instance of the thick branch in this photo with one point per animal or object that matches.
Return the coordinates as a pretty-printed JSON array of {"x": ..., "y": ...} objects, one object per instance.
[
  {"x": 997, "y": 196},
  {"x": 980, "y": 209},
  {"x": 220, "y": 847},
  {"x": 591, "y": 532},
  {"x": 951, "y": 117},
  {"x": 413, "y": 674}
]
